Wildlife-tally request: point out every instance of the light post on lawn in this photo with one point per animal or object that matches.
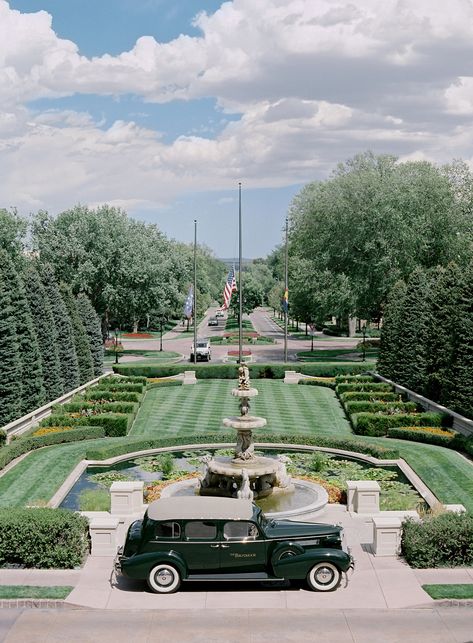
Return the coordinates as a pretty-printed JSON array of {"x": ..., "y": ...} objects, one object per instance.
[
  {"x": 116, "y": 345},
  {"x": 363, "y": 346},
  {"x": 312, "y": 329},
  {"x": 162, "y": 320}
]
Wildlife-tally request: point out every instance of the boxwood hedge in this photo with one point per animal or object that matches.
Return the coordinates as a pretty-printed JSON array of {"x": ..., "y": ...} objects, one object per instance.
[
  {"x": 42, "y": 538},
  {"x": 445, "y": 540},
  {"x": 23, "y": 445},
  {"x": 424, "y": 436},
  {"x": 352, "y": 407},
  {"x": 364, "y": 387},
  {"x": 386, "y": 396},
  {"x": 106, "y": 407},
  {"x": 112, "y": 396},
  {"x": 140, "y": 444},
  {"x": 374, "y": 424},
  {"x": 114, "y": 424}
]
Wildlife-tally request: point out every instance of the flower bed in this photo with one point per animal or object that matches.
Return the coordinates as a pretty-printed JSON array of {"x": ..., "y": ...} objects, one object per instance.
[
  {"x": 137, "y": 335},
  {"x": 51, "y": 429},
  {"x": 246, "y": 352}
]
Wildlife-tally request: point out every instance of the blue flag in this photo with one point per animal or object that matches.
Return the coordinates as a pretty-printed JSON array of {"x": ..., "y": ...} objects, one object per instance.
[{"x": 189, "y": 305}]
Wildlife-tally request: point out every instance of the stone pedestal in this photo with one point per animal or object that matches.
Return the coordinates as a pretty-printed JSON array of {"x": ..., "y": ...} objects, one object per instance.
[
  {"x": 363, "y": 496},
  {"x": 189, "y": 378},
  {"x": 386, "y": 535},
  {"x": 103, "y": 529},
  {"x": 291, "y": 377},
  {"x": 126, "y": 498}
]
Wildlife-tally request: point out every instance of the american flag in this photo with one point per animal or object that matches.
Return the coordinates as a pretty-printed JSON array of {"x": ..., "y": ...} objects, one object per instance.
[
  {"x": 189, "y": 305},
  {"x": 285, "y": 301},
  {"x": 230, "y": 287}
]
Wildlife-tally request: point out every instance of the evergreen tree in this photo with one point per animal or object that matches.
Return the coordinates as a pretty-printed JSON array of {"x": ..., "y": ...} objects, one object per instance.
[
  {"x": 445, "y": 296},
  {"x": 65, "y": 336},
  {"x": 92, "y": 325},
  {"x": 10, "y": 365},
  {"x": 460, "y": 398},
  {"x": 81, "y": 340},
  {"x": 392, "y": 333},
  {"x": 46, "y": 332},
  {"x": 31, "y": 376}
]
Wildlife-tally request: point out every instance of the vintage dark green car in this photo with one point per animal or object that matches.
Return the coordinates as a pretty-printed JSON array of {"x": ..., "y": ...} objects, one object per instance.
[{"x": 206, "y": 538}]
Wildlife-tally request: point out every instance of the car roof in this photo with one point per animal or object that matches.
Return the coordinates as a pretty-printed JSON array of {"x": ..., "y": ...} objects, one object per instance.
[{"x": 200, "y": 508}]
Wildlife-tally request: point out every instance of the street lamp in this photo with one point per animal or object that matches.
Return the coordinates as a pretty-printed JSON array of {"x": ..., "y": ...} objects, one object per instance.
[
  {"x": 116, "y": 345},
  {"x": 363, "y": 346}
]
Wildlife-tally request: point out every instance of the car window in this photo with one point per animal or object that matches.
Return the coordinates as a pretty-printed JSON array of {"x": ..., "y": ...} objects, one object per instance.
[
  {"x": 168, "y": 530},
  {"x": 201, "y": 530},
  {"x": 240, "y": 531}
]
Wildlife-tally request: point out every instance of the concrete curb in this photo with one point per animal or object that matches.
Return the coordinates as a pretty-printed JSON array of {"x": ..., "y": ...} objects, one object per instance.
[{"x": 36, "y": 603}]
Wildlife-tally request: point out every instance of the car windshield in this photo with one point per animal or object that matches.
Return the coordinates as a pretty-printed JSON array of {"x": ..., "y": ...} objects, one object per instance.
[{"x": 201, "y": 344}]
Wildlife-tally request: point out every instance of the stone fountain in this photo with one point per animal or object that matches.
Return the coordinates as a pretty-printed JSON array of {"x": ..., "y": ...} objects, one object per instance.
[{"x": 246, "y": 475}]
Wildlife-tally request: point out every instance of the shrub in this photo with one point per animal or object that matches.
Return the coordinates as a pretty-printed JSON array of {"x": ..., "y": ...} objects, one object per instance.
[
  {"x": 380, "y": 407},
  {"x": 430, "y": 435},
  {"x": 42, "y": 538},
  {"x": 114, "y": 424},
  {"x": 104, "y": 452},
  {"x": 364, "y": 387},
  {"x": 354, "y": 379},
  {"x": 3, "y": 437},
  {"x": 386, "y": 396},
  {"x": 318, "y": 382},
  {"x": 373, "y": 424},
  {"x": 111, "y": 396},
  {"x": 120, "y": 388},
  {"x": 114, "y": 379},
  {"x": 106, "y": 407},
  {"x": 164, "y": 383},
  {"x": 445, "y": 540},
  {"x": 23, "y": 445}
]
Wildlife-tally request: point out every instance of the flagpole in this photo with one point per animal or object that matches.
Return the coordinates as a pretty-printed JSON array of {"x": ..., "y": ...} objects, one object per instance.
[
  {"x": 195, "y": 291},
  {"x": 286, "y": 304},
  {"x": 240, "y": 282}
]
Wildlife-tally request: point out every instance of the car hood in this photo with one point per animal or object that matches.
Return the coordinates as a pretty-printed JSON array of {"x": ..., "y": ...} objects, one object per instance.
[{"x": 290, "y": 529}]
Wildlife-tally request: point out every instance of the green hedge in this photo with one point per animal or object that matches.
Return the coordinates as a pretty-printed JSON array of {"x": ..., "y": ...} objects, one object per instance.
[
  {"x": 106, "y": 382},
  {"x": 423, "y": 436},
  {"x": 354, "y": 379},
  {"x": 165, "y": 383},
  {"x": 353, "y": 396},
  {"x": 119, "y": 388},
  {"x": 364, "y": 387},
  {"x": 23, "y": 445},
  {"x": 445, "y": 540},
  {"x": 3, "y": 437},
  {"x": 43, "y": 538},
  {"x": 140, "y": 444},
  {"x": 380, "y": 407},
  {"x": 317, "y": 383},
  {"x": 373, "y": 424},
  {"x": 106, "y": 407},
  {"x": 229, "y": 371},
  {"x": 111, "y": 396},
  {"x": 114, "y": 424}
]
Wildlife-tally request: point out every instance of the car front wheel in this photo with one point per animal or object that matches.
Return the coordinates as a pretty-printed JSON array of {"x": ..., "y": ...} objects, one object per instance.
[
  {"x": 324, "y": 577},
  {"x": 164, "y": 579}
]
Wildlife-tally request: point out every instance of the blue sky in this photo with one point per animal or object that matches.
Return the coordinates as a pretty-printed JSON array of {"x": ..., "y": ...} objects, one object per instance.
[{"x": 162, "y": 106}]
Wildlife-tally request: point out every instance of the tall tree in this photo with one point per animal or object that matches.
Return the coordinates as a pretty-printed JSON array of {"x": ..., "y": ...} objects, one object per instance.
[
  {"x": 46, "y": 332},
  {"x": 392, "y": 334},
  {"x": 12, "y": 233},
  {"x": 80, "y": 338},
  {"x": 68, "y": 360},
  {"x": 91, "y": 323},
  {"x": 31, "y": 375},
  {"x": 10, "y": 365}
]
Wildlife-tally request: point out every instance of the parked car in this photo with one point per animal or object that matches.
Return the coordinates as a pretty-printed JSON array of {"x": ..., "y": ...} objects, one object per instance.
[
  {"x": 214, "y": 539},
  {"x": 203, "y": 351},
  {"x": 213, "y": 321}
]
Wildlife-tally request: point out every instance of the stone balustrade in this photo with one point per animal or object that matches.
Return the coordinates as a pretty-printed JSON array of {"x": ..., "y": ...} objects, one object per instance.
[
  {"x": 104, "y": 533},
  {"x": 363, "y": 496},
  {"x": 126, "y": 498}
]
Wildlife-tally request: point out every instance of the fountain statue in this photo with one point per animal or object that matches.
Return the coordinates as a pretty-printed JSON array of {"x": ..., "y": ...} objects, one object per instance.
[{"x": 246, "y": 475}]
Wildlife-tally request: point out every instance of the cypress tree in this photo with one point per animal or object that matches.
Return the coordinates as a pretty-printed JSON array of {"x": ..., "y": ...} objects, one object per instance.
[
  {"x": 46, "y": 332},
  {"x": 460, "y": 398},
  {"x": 10, "y": 365},
  {"x": 81, "y": 340},
  {"x": 392, "y": 334},
  {"x": 69, "y": 367},
  {"x": 31, "y": 376},
  {"x": 93, "y": 328}
]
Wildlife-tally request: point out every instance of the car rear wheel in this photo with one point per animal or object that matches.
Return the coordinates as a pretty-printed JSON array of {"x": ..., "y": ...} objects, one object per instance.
[
  {"x": 324, "y": 577},
  {"x": 164, "y": 579}
]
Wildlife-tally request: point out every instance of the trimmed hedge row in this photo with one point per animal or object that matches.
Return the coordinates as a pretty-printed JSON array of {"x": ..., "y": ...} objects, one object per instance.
[
  {"x": 365, "y": 387},
  {"x": 354, "y": 379},
  {"x": 140, "y": 444},
  {"x": 353, "y": 396},
  {"x": 23, "y": 445},
  {"x": 43, "y": 538},
  {"x": 379, "y": 407},
  {"x": 111, "y": 396},
  {"x": 106, "y": 407},
  {"x": 317, "y": 383},
  {"x": 165, "y": 383},
  {"x": 114, "y": 424},
  {"x": 229, "y": 371},
  {"x": 115, "y": 379},
  {"x": 375, "y": 425},
  {"x": 445, "y": 540},
  {"x": 121, "y": 388},
  {"x": 424, "y": 436},
  {"x": 3, "y": 437}
]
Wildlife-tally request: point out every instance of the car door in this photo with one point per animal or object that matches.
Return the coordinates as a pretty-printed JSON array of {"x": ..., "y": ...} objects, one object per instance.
[
  {"x": 242, "y": 547},
  {"x": 201, "y": 546}
]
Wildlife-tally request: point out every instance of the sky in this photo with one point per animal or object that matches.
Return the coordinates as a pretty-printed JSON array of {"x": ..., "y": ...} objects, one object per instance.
[{"x": 162, "y": 106}]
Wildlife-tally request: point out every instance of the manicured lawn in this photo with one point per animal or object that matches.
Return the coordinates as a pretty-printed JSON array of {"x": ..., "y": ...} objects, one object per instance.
[
  {"x": 201, "y": 408},
  {"x": 34, "y": 591},
  {"x": 449, "y": 591}
]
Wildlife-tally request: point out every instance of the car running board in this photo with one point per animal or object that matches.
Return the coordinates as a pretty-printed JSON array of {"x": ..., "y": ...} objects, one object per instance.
[{"x": 256, "y": 576}]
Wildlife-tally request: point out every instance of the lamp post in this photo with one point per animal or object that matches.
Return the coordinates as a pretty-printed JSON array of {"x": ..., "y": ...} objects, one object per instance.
[
  {"x": 116, "y": 345},
  {"x": 363, "y": 346}
]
